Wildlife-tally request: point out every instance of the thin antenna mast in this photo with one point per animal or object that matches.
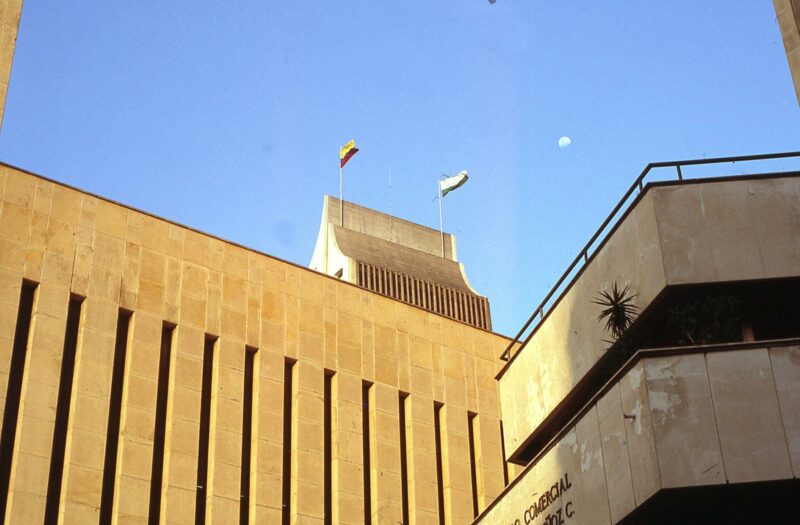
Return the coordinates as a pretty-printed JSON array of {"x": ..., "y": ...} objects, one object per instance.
[{"x": 441, "y": 220}]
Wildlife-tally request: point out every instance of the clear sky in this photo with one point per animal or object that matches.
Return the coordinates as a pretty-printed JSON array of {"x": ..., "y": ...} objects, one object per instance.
[{"x": 228, "y": 116}]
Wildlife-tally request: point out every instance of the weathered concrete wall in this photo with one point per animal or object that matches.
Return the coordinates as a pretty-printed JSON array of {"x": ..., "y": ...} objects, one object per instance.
[
  {"x": 788, "y": 14},
  {"x": 70, "y": 242},
  {"x": 692, "y": 233},
  {"x": 10, "y": 11},
  {"x": 672, "y": 421},
  {"x": 609, "y": 460},
  {"x": 729, "y": 231},
  {"x": 571, "y": 340}
]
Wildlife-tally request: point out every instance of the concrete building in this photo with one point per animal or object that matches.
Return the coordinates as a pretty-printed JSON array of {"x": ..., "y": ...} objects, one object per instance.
[
  {"x": 693, "y": 416},
  {"x": 152, "y": 373},
  {"x": 10, "y": 11},
  {"x": 399, "y": 259},
  {"x": 788, "y": 14}
]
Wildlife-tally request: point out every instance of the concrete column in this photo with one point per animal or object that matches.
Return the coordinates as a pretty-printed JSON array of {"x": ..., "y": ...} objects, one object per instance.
[
  {"x": 488, "y": 459},
  {"x": 456, "y": 466},
  {"x": 34, "y": 441},
  {"x": 137, "y": 419},
  {"x": 179, "y": 487},
  {"x": 385, "y": 455},
  {"x": 422, "y": 491},
  {"x": 347, "y": 452},
  {"x": 225, "y": 443},
  {"x": 307, "y": 444},
  {"x": 268, "y": 443},
  {"x": 88, "y": 421},
  {"x": 87, "y": 427}
]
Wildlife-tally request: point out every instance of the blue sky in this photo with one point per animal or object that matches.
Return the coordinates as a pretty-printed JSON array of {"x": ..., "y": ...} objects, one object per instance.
[{"x": 228, "y": 116}]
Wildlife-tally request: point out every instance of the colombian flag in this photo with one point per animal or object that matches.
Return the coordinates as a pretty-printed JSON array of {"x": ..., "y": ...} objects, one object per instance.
[{"x": 347, "y": 152}]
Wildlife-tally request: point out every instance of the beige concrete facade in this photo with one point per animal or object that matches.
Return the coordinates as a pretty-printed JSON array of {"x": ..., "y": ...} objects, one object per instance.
[
  {"x": 10, "y": 12},
  {"x": 788, "y": 15},
  {"x": 675, "y": 234},
  {"x": 707, "y": 417},
  {"x": 210, "y": 302},
  {"x": 622, "y": 441}
]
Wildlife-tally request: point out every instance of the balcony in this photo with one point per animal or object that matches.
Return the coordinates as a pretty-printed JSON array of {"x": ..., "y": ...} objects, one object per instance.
[
  {"x": 662, "y": 239},
  {"x": 674, "y": 436}
]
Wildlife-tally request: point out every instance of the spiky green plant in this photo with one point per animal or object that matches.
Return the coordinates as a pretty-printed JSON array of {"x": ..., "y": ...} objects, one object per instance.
[{"x": 618, "y": 310}]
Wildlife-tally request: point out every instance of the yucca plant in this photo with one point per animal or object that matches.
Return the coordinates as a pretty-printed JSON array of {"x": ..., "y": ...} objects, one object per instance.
[{"x": 618, "y": 311}]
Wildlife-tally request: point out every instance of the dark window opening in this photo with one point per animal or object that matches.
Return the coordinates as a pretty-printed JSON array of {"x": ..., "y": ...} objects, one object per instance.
[
  {"x": 14, "y": 389},
  {"x": 437, "y": 429},
  {"x": 247, "y": 434},
  {"x": 503, "y": 451},
  {"x": 328, "y": 446},
  {"x": 157, "y": 468},
  {"x": 286, "y": 488},
  {"x": 205, "y": 429},
  {"x": 365, "y": 433},
  {"x": 114, "y": 410},
  {"x": 403, "y": 399},
  {"x": 62, "y": 410},
  {"x": 472, "y": 420}
]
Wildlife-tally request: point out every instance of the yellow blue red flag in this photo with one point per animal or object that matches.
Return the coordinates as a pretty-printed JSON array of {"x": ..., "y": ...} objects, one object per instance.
[{"x": 347, "y": 152}]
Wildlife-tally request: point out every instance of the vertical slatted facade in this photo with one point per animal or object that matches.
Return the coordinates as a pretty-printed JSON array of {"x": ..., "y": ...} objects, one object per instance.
[
  {"x": 449, "y": 302},
  {"x": 194, "y": 308}
]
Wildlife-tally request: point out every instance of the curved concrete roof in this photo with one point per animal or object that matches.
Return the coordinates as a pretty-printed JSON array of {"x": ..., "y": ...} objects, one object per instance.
[{"x": 394, "y": 256}]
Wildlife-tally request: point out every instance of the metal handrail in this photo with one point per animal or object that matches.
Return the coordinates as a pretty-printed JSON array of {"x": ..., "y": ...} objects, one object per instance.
[{"x": 584, "y": 256}]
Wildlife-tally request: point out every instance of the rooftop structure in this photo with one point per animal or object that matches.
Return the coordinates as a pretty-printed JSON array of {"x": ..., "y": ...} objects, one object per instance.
[{"x": 397, "y": 258}]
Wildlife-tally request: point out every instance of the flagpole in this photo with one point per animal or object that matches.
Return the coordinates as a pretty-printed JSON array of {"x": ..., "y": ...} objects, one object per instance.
[
  {"x": 441, "y": 220},
  {"x": 341, "y": 199}
]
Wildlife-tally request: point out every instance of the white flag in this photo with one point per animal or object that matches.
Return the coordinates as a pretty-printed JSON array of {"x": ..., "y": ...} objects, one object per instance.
[{"x": 450, "y": 183}]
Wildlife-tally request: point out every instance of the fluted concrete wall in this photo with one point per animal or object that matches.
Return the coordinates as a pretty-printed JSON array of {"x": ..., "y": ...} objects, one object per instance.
[{"x": 69, "y": 244}]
